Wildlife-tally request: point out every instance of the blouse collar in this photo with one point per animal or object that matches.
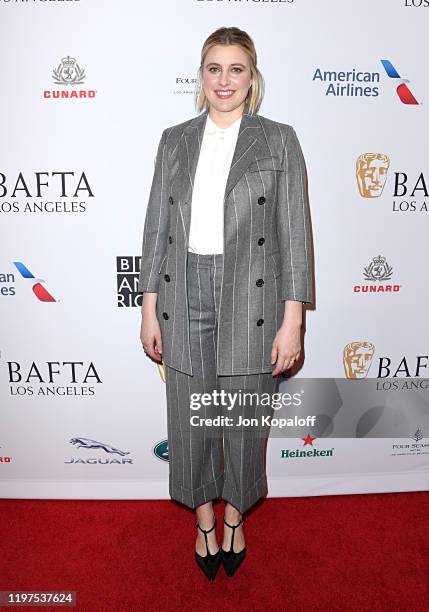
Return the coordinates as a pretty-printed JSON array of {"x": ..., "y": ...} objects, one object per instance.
[{"x": 212, "y": 128}]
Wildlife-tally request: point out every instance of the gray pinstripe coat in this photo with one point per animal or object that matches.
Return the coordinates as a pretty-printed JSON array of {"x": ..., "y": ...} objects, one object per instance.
[{"x": 267, "y": 254}]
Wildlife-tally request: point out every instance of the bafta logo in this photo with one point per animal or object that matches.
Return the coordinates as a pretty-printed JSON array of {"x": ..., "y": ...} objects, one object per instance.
[
  {"x": 357, "y": 357},
  {"x": 371, "y": 174}
]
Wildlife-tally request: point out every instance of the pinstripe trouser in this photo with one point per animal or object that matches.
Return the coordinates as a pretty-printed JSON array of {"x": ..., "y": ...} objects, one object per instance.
[{"x": 207, "y": 461}]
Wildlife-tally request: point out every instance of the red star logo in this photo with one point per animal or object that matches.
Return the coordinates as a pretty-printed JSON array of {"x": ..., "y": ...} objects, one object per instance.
[{"x": 308, "y": 440}]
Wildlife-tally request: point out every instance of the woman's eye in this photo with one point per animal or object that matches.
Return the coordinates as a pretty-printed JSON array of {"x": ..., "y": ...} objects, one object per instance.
[{"x": 236, "y": 69}]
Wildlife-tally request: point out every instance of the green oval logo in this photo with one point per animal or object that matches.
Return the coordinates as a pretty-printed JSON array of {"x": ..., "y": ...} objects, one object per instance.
[{"x": 160, "y": 450}]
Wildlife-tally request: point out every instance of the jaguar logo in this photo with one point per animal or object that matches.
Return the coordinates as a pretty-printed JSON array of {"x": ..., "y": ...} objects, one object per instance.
[{"x": 88, "y": 443}]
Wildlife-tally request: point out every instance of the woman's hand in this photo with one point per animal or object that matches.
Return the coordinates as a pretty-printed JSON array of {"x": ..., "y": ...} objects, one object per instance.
[
  {"x": 150, "y": 331},
  {"x": 286, "y": 347}
]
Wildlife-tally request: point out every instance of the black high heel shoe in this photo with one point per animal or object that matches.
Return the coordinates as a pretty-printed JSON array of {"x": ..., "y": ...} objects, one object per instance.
[
  {"x": 230, "y": 559},
  {"x": 211, "y": 562}
]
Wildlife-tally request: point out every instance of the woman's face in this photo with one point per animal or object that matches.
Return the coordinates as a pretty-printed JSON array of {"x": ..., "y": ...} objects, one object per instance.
[{"x": 226, "y": 77}]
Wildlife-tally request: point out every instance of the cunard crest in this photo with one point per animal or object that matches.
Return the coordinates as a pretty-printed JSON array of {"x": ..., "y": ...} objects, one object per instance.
[
  {"x": 68, "y": 72},
  {"x": 378, "y": 269}
]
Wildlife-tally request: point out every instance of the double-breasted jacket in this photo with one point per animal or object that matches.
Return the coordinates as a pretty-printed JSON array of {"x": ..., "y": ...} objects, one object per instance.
[{"x": 267, "y": 255}]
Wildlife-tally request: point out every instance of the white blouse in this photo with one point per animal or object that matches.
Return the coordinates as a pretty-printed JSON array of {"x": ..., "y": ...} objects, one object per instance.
[{"x": 214, "y": 162}]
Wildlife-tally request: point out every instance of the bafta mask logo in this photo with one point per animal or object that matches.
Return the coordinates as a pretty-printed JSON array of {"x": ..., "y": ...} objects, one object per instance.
[
  {"x": 357, "y": 357},
  {"x": 378, "y": 270},
  {"x": 371, "y": 174}
]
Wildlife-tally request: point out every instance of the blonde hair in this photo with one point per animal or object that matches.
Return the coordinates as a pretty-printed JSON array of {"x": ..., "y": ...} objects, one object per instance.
[{"x": 232, "y": 36}]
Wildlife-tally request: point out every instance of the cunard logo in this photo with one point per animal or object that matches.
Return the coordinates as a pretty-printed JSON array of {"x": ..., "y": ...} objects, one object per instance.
[
  {"x": 377, "y": 272},
  {"x": 5, "y": 459},
  {"x": 378, "y": 269},
  {"x": 69, "y": 72}
]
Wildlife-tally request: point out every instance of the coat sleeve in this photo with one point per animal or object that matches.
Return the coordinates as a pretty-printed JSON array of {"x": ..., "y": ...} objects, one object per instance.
[
  {"x": 155, "y": 230},
  {"x": 293, "y": 225}
]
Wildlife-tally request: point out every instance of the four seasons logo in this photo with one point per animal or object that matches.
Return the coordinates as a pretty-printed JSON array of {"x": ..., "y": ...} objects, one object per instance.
[{"x": 412, "y": 448}]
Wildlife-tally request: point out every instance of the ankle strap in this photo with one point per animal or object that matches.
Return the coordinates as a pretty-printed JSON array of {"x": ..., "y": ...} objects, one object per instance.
[
  {"x": 233, "y": 527},
  {"x": 241, "y": 521},
  {"x": 205, "y": 530}
]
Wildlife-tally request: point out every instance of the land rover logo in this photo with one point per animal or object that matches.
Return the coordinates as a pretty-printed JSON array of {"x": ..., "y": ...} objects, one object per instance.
[{"x": 160, "y": 450}]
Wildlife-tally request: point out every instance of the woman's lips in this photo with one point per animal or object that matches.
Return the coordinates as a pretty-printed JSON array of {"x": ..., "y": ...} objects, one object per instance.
[{"x": 224, "y": 94}]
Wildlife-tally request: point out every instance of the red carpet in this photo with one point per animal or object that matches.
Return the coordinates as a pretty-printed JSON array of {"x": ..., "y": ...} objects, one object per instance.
[{"x": 343, "y": 552}]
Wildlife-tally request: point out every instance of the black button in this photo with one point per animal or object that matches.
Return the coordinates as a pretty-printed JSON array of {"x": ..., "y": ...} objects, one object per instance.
[
  {"x": 170, "y": 199},
  {"x": 167, "y": 277},
  {"x": 261, "y": 241},
  {"x": 260, "y": 322},
  {"x": 170, "y": 239},
  {"x": 261, "y": 200},
  {"x": 165, "y": 315},
  {"x": 259, "y": 282}
]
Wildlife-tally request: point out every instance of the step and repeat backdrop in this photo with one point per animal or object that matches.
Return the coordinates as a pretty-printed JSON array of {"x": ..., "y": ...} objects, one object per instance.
[{"x": 88, "y": 86}]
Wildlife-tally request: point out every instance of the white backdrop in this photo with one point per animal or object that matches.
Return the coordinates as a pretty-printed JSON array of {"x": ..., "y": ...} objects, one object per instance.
[{"x": 82, "y": 409}]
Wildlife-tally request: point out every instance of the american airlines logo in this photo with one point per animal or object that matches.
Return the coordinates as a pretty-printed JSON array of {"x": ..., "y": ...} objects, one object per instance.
[
  {"x": 402, "y": 89},
  {"x": 37, "y": 285}
]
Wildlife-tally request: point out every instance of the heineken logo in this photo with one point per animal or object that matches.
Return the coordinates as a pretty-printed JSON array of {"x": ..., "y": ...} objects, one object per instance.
[{"x": 286, "y": 453}]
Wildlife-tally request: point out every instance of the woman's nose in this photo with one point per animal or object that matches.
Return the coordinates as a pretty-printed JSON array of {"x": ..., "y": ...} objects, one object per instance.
[{"x": 223, "y": 79}]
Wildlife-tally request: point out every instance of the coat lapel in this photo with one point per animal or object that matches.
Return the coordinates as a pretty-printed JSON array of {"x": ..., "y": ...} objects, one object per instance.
[{"x": 251, "y": 145}]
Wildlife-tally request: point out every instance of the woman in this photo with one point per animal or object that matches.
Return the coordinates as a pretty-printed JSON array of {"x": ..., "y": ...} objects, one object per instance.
[{"x": 223, "y": 287}]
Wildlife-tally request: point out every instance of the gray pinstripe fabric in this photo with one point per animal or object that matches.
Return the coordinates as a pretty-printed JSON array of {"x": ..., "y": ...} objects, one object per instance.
[
  {"x": 209, "y": 462},
  {"x": 267, "y": 242}
]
